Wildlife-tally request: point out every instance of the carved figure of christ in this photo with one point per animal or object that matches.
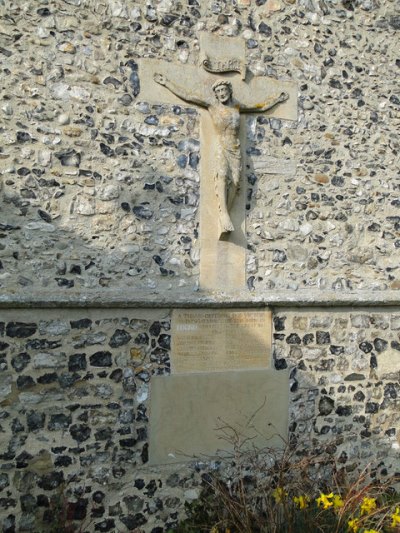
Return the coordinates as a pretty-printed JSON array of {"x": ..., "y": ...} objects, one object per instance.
[{"x": 225, "y": 115}]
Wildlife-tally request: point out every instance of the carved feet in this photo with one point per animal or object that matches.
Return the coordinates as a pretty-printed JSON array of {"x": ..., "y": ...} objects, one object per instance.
[{"x": 226, "y": 225}]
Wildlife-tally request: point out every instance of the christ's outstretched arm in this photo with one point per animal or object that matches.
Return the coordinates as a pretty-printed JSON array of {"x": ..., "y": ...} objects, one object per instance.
[
  {"x": 181, "y": 92},
  {"x": 267, "y": 104}
]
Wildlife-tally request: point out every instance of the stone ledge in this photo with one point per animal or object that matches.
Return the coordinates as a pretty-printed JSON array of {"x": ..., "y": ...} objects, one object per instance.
[{"x": 176, "y": 299}]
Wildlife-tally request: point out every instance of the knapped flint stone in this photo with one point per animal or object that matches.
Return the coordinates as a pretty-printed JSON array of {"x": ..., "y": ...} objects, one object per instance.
[
  {"x": 142, "y": 338},
  {"x": 103, "y": 434},
  {"x": 110, "y": 80},
  {"x": 28, "y": 503},
  {"x": 80, "y": 432},
  {"x": 280, "y": 364},
  {"x": 4, "y": 481},
  {"x": 63, "y": 282},
  {"x": 279, "y": 323},
  {"x": 391, "y": 390},
  {"x": 23, "y": 137},
  {"x": 134, "y": 77},
  {"x": 344, "y": 410},
  {"x": 43, "y": 12},
  {"x": 155, "y": 329},
  {"x": 119, "y": 338},
  {"x": 77, "y": 362},
  {"x": 25, "y": 382},
  {"x": 279, "y": 256},
  {"x": 35, "y": 420},
  {"x": 78, "y": 509},
  {"x": 143, "y": 211},
  {"x": 152, "y": 120},
  {"x": 42, "y": 344},
  {"x": 50, "y": 377},
  {"x": 59, "y": 421},
  {"x": 45, "y": 216},
  {"x": 63, "y": 460},
  {"x": 394, "y": 21},
  {"x": 20, "y": 329},
  {"x": 128, "y": 443},
  {"x": 365, "y": 347},
  {"x": 133, "y": 522},
  {"x": 69, "y": 158},
  {"x": 101, "y": 359},
  {"x": 293, "y": 338},
  {"x": 371, "y": 407},
  {"x": 168, "y": 19},
  {"x": 354, "y": 377},
  {"x": 105, "y": 525},
  {"x": 16, "y": 426},
  {"x": 164, "y": 341},
  {"x": 42, "y": 500},
  {"x": 106, "y": 150},
  {"x": 3, "y": 346},
  {"x": 9, "y": 524},
  {"x": 51, "y": 481},
  {"x": 20, "y": 361},
  {"x": 395, "y": 345},
  {"x": 265, "y": 29},
  {"x": 81, "y": 324},
  {"x": 7, "y": 503},
  {"x": 359, "y": 396},
  {"x": 326, "y": 406},
  {"x": 126, "y": 99},
  {"x": 323, "y": 337},
  {"x": 308, "y": 339},
  {"x": 67, "y": 379}
]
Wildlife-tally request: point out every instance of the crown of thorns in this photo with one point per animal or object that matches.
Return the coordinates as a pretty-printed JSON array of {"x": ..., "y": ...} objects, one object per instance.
[{"x": 220, "y": 83}]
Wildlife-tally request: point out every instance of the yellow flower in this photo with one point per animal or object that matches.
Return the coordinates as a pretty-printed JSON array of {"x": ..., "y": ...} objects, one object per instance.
[
  {"x": 368, "y": 505},
  {"x": 395, "y": 518},
  {"x": 371, "y": 531},
  {"x": 301, "y": 501},
  {"x": 337, "y": 501},
  {"x": 279, "y": 494},
  {"x": 325, "y": 500},
  {"x": 353, "y": 525}
]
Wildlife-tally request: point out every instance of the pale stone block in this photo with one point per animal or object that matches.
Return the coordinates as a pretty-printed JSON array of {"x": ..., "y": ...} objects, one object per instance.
[
  {"x": 209, "y": 340},
  {"x": 193, "y": 415}
]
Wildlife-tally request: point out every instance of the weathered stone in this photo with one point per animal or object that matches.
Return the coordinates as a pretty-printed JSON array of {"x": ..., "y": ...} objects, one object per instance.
[
  {"x": 119, "y": 338},
  {"x": 20, "y": 329},
  {"x": 101, "y": 359}
]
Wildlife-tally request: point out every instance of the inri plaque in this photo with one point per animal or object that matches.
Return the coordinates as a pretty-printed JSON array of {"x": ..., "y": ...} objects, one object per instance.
[{"x": 215, "y": 340}]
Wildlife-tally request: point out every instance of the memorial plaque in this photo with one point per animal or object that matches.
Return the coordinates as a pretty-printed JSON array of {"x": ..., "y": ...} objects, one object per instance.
[
  {"x": 192, "y": 415},
  {"x": 212, "y": 340}
]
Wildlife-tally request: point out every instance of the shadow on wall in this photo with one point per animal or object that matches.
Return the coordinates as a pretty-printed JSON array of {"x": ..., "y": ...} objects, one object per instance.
[{"x": 71, "y": 227}]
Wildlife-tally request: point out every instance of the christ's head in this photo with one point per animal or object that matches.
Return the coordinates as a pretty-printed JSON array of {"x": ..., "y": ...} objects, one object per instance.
[{"x": 223, "y": 91}]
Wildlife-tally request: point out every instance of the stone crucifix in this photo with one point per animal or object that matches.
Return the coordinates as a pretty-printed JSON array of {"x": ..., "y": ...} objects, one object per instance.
[
  {"x": 225, "y": 115},
  {"x": 224, "y": 100}
]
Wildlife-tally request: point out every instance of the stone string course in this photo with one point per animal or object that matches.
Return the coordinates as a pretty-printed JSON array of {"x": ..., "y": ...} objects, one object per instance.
[{"x": 74, "y": 395}]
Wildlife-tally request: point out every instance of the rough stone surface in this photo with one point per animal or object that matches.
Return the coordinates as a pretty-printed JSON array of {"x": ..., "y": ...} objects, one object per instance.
[
  {"x": 80, "y": 420},
  {"x": 81, "y": 144}
]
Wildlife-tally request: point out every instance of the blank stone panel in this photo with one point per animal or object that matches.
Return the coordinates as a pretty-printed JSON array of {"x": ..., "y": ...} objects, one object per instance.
[{"x": 188, "y": 412}]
